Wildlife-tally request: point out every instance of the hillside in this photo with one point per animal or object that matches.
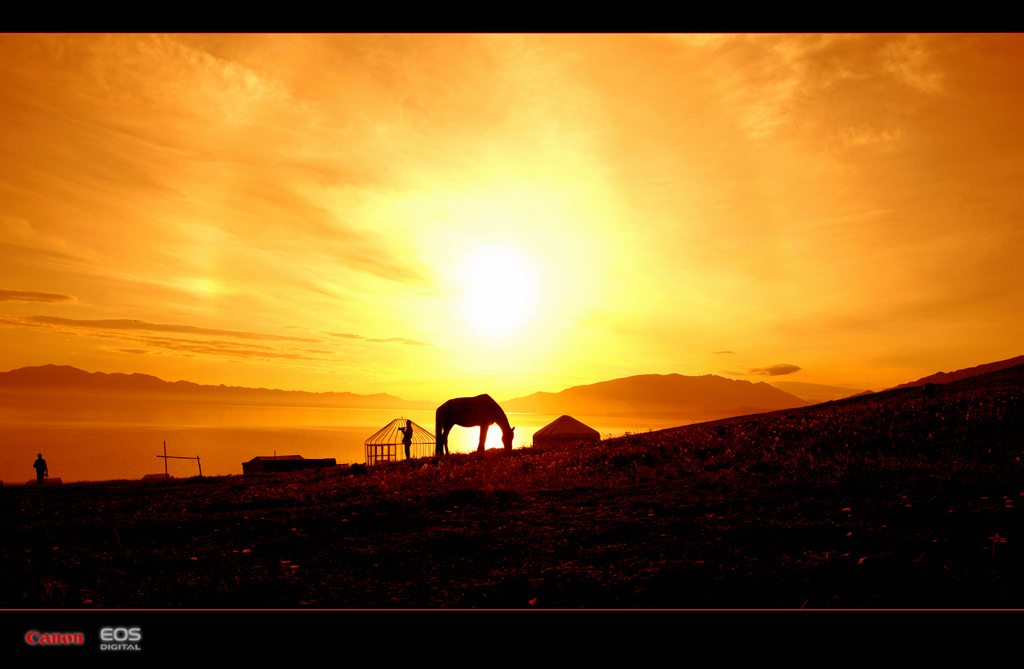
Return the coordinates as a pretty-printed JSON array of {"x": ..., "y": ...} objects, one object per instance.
[
  {"x": 657, "y": 393},
  {"x": 892, "y": 500},
  {"x": 947, "y": 377},
  {"x": 815, "y": 392}
]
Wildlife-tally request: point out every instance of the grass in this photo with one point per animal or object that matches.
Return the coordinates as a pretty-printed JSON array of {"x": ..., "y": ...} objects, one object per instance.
[{"x": 885, "y": 501}]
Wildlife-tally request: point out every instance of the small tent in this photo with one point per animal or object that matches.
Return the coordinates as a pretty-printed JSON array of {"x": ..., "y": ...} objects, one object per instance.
[
  {"x": 563, "y": 431},
  {"x": 385, "y": 445}
]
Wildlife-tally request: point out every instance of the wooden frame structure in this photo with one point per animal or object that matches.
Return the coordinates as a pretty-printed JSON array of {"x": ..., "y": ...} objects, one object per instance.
[
  {"x": 386, "y": 445},
  {"x": 178, "y": 457}
]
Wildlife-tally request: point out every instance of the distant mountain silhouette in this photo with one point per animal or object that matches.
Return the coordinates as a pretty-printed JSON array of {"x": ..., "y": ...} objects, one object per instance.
[
  {"x": 671, "y": 395},
  {"x": 706, "y": 395},
  {"x": 815, "y": 392},
  {"x": 67, "y": 381},
  {"x": 946, "y": 377}
]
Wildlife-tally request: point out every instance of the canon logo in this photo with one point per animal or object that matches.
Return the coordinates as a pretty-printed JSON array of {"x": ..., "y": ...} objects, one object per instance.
[{"x": 34, "y": 638}]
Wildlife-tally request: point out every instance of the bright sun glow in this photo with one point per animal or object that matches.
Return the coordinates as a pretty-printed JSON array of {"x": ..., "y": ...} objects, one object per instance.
[{"x": 501, "y": 288}]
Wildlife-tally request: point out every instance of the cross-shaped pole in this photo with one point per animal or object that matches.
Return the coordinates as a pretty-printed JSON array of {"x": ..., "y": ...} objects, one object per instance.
[{"x": 179, "y": 457}]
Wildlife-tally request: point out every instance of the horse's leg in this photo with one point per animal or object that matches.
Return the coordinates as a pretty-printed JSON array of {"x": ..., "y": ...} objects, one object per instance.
[
  {"x": 438, "y": 427},
  {"x": 483, "y": 438},
  {"x": 442, "y": 439},
  {"x": 443, "y": 448}
]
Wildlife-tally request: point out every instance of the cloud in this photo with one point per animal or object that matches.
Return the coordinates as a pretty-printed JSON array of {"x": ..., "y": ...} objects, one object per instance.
[
  {"x": 773, "y": 370},
  {"x": 213, "y": 347},
  {"x": 909, "y": 60},
  {"x": 208, "y": 342},
  {"x": 33, "y": 296},
  {"x": 223, "y": 348},
  {"x": 722, "y": 352},
  {"x": 128, "y": 324},
  {"x": 402, "y": 340},
  {"x": 344, "y": 335}
]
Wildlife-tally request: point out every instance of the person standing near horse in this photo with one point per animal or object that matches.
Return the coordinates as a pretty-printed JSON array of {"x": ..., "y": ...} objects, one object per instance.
[
  {"x": 406, "y": 437},
  {"x": 41, "y": 469}
]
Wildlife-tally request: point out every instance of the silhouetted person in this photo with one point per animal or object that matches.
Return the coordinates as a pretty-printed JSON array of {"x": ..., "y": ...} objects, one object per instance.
[
  {"x": 41, "y": 469},
  {"x": 406, "y": 437}
]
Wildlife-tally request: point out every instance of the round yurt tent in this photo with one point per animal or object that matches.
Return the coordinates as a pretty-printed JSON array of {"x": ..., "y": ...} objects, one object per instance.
[
  {"x": 563, "y": 431},
  {"x": 386, "y": 444}
]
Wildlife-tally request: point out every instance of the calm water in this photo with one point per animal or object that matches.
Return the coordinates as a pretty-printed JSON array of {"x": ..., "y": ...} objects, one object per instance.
[{"x": 90, "y": 443}]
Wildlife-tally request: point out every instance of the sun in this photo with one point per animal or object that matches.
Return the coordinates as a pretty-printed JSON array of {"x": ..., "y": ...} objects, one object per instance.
[{"x": 501, "y": 289}]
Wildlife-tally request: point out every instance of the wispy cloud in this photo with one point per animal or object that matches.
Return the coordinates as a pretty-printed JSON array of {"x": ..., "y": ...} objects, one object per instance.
[
  {"x": 203, "y": 341},
  {"x": 909, "y": 60},
  {"x": 344, "y": 335},
  {"x": 773, "y": 370},
  {"x": 401, "y": 340},
  {"x": 128, "y": 324},
  {"x": 223, "y": 348},
  {"x": 33, "y": 296}
]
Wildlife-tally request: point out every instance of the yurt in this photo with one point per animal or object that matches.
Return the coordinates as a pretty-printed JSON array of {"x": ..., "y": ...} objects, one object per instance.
[
  {"x": 563, "y": 431},
  {"x": 386, "y": 444}
]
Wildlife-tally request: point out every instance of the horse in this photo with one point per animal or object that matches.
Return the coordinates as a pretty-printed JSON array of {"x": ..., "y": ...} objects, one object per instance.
[{"x": 480, "y": 411}]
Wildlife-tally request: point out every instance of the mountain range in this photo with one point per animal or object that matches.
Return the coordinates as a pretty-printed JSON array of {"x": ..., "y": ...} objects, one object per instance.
[
  {"x": 65, "y": 381},
  {"x": 666, "y": 395},
  {"x": 658, "y": 393}
]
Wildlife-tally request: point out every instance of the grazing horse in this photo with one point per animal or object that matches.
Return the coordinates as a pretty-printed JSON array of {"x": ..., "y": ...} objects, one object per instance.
[{"x": 480, "y": 411}]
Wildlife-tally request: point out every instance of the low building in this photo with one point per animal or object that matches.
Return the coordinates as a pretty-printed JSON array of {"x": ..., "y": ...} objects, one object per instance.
[{"x": 283, "y": 463}]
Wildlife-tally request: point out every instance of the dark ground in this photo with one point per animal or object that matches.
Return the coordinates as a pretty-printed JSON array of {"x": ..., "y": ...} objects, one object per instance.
[{"x": 894, "y": 500}]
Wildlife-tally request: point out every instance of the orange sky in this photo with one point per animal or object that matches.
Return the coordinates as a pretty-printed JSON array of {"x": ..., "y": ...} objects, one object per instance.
[{"x": 331, "y": 212}]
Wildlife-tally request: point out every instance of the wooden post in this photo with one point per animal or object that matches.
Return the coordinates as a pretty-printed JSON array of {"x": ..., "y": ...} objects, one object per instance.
[{"x": 178, "y": 457}]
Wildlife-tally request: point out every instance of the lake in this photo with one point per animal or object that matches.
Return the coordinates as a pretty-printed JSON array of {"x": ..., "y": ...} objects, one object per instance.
[{"x": 105, "y": 441}]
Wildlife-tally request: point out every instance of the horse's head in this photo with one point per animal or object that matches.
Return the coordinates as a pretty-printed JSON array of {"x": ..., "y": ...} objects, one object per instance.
[{"x": 506, "y": 437}]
